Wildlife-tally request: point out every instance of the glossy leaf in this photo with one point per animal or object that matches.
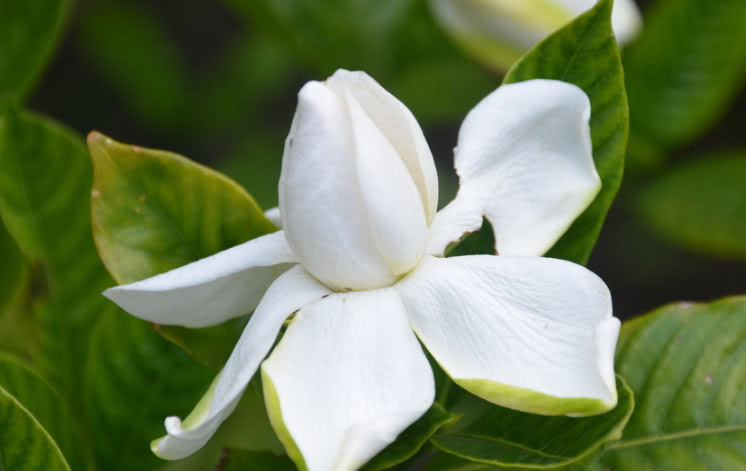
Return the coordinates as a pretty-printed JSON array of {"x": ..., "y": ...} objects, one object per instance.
[
  {"x": 47, "y": 406},
  {"x": 153, "y": 211},
  {"x": 509, "y": 439},
  {"x": 411, "y": 439},
  {"x": 44, "y": 201},
  {"x": 687, "y": 366},
  {"x": 28, "y": 34},
  {"x": 685, "y": 70},
  {"x": 24, "y": 444},
  {"x": 701, "y": 205},
  {"x": 584, "y": 53}
]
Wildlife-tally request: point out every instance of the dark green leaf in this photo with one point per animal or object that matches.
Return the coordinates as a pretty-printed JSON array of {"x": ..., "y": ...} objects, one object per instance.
[
  {"x": 47, "y": 407},
  {"x": 242, "y": 460},
  {"x": 685, "y": 69},
  {"x": 686, "y": 364},
  {"x": 24, "y": 444},
  {"x": 29, "y": 30},
  {"x": 44, "y": 201},
  {"x": 509, "y": 439},
  {"x": 701, "y": 205},
  {"x": 585, "y": 53},
  {"x": 11, "y": 269},
  {"x": 411, "y": 439}
]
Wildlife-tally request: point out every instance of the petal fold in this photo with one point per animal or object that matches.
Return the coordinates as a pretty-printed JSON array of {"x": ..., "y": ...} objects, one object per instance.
[
  {"x": 211, "y": 290},
  {"x": 524, "y": 160},
  {"x": 534, "y": 334},
  {"x": 290, "y": 292},
  {"x": 347, "y": 377}
]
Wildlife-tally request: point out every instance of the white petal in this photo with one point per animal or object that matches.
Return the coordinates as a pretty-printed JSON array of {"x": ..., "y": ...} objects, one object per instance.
[
  {"x": 399, "y": 126},
  {"x": 211, "y": 290},
  {"x": 345, "y": 380},
  {"x": 322, "y": 211},
  {"x": 524, "y": 157},
  {"x": 291, "y": 291},
  {"x": 273, "y": 214},
  {"x": 534, "y": 334},
  {"x": 394, "y": 207}
]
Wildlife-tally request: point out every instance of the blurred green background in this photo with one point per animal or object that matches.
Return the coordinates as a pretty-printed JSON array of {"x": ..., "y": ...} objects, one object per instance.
[{"x": 216, "y": 81}]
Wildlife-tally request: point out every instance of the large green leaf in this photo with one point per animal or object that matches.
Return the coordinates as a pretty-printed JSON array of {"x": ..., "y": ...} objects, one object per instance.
[
  {"x": 509, "y": 439},
  {"x": 153, "y": 211},
  {"x": 411, "y": 439},
  {"x": 24, "y": 444},
  {"x": 234, "y": 459},
  {"x": 701, "y": 205},
  {"x": 687, "y": 366},
  {"x": 47, "y": 406},
  {"x": 11, "y": 269},
  {"x": 685, "y": 69},
  {"x": 585, "y": 53},
  {"x": 44, "y": 201},
  {"x": 29, "y": 31}
]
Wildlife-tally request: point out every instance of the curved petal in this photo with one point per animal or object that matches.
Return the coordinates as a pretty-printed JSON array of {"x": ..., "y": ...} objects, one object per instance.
[
  {"x": 290, "y": 292},
  {"x": 322, "y": 212},
  {"x": 211, "y": 290},
  {"x": 524, "y": 160},
  {"x": 399, "y": 126},
  {"x": 273, "y": 214},
  {"x": 534, "y": 334},
  {"x": 395, "y": 215},
  {"x": 347, "y": 377}
]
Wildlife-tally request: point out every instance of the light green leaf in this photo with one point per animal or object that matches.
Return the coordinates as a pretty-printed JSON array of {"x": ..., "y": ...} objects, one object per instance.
[
  {"x": 47, "y": 406},
  {"x": 687, "y": 366},
  {"x": 701, "y": 205},
  {"x": 154, "y": 211},
  {"x": 29, "y": 31},
  {"x": 508, "y": 439},
  {"x": 134, "y": 380},
  {"x": 685, "y": 70},
  {"x": 24, "y": 444},
  {"x": 411, "y": 439},
  {"x": 44, "y": 201},
  {"x": 584, "y": 53}
]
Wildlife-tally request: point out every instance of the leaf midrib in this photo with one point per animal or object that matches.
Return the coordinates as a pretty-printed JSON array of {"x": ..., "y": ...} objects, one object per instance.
[{"x": 698, "y": 432}]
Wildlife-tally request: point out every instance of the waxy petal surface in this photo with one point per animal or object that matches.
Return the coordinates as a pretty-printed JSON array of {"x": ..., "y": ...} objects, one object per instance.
[
  {"x": 534, "y": 334},
  {"x": 211, "y": 290}
]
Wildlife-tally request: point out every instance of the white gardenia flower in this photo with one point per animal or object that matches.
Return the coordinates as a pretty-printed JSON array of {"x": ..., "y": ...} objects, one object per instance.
[
  {"x": 360, "y": 261},
  {"x": 499, "y": 32}
]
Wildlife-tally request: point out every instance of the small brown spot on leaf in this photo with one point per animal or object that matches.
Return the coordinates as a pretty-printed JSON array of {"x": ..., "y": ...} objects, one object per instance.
[
  {"x": 95, "y": 193},
  {"x": 708, "y": 379}
]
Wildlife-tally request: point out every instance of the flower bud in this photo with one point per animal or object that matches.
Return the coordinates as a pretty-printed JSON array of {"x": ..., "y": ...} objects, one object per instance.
[
  {"x": 358, "y": 188},
  {"x": 499, "y": 32}
]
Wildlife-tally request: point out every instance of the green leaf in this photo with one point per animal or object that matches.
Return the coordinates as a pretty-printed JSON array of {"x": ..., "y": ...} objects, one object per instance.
[
  {"x": 685, "y": 70},
  {"x": 24, "y": 444},
  {"x": 44, "y": 201},
  {"x": 242, "y": 460},
  {"x": 11, "y": 269},
  {"x": 134, "y": 380},
  {"x": 584, "y": 53},
  {"x": 411, "y": 439},
  {"x": 47, "y": 406},
  {"x": 29, "y": 32},
  {"x": 154, "y": 211},
  {"x": 509, "y": 439},
  {"x": 701, "y": 205},
  {"x": 686, "y": 364}
]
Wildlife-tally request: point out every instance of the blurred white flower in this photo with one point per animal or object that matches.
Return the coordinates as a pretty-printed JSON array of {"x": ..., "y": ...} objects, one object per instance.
[
  {"x": 499, "y": 32},
  {"x": 360, "y": 263}
]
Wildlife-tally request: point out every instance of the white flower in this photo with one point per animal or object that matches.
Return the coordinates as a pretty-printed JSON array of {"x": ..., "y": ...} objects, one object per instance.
[
  {"x": 498, "y": 32},
  {"x": 360, "y": 263}
]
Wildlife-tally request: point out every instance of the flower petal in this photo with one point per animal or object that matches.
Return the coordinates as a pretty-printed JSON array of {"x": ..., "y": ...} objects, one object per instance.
[
  {"x": 395, "y": 216},
  {"x": 534, "y": 334},
  {"x": 273, "y": 214},
  {"x": 211, "y": 290},
  {"x": 346, "y": 379},
  {"x": 524, "y": 160},
  {"x": 290, "y": 292},
  {"x": 320, "y": 205},
  {"x": 399, "y": 126}
]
